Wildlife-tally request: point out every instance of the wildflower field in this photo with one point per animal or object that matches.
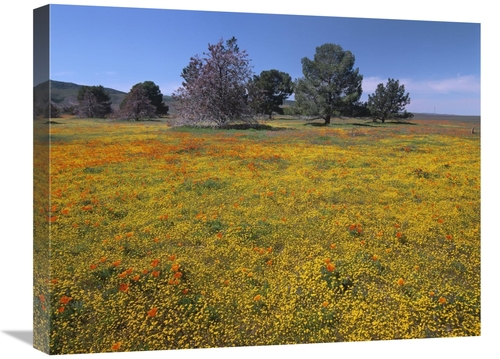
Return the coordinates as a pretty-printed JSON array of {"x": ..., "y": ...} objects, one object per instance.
[{"x": 169, "y": 237}]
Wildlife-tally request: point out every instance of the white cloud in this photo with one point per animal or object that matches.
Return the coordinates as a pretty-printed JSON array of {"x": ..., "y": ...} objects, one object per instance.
[
  {"x": 456, "y": 95},
  {"x": 62, "y": 74},
  {"x": 107, "y": 73},
  {"x": 459, "y": 84},
  {"x": 370, "y": 83},
  {"x": 454, "y": 85}
]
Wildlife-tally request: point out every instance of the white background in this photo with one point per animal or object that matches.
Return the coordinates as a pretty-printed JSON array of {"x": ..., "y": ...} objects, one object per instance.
[{"x": 16, "y": 55}]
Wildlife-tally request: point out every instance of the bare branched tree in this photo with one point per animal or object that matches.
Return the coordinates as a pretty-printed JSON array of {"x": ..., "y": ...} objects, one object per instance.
[{"x": 216, "y": 90}]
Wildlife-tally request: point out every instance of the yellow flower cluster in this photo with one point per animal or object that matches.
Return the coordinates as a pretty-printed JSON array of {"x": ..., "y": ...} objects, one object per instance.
[{"x": 170, "y": 238}]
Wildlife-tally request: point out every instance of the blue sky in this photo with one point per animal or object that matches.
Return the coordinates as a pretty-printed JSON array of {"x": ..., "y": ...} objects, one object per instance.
[{"x": 438, "y": 62}]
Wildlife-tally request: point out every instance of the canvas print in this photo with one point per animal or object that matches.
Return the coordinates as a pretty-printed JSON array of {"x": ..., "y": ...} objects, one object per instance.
[{"x": 211, "y": 179}]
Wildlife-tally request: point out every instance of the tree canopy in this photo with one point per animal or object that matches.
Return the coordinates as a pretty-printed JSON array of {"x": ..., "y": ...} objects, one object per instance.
[
  {"x": 330, "y": 85},
  {"x": 93, "y": 102},
  {"x": 215, "y": 90},
  {"x": 154, "y": 95},
  {"x": 274, "y": 87},
  {"x": 389, "y": 101},
  {"x": 137, "y": 105}
]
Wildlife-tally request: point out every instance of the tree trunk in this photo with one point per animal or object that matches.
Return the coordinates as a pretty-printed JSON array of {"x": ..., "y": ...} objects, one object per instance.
[{"x": 327, "y": 120}]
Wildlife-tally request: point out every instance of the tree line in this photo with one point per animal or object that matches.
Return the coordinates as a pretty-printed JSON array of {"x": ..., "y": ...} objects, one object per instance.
[
  {"x": 220, "y": 88},
  {"x": 143, "y": 101}
]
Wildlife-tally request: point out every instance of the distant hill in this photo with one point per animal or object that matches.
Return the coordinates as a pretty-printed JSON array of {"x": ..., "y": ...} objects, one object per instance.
[
  {"x": 64, "y": 94},
  {"x": 437, "y": 116}
]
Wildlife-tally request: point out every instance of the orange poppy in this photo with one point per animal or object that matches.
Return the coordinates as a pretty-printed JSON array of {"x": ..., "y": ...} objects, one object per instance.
[
  {"x": 136, "y": 278},
  {"x": 172, "y": 257},
  {"x": 152, "y": 312},
  {"x": 325, "y": 304},
  {"x": 60, "y": 309},
  {"x": 442, "y": 300},
  {"x": 226, "y": 282},
  {"x": 42, "y": 298},
  {"x": 155, "y": 273},
  {"x": 130, "y": 270},
  {"x": 122, "y": 274},
  {"x": 130, "y": 234},
  {"x": 116, "y": 346},
  {"x": 333, "y": 245},
  {"x": 401, "y": 281},
  {"x": 102, "y": 260},
  {"x": 177, "y": 275},
  {"x": 185, "y": 291},
  {"x": 257, "y": 297},
  {"x": 399, "y": 234},
  {"x": 330, "y": 267},
  {"x": 155, "y": 262},
  {"x": 93, "y": 266},
  {"x": 116, "y": 263},
  {"x": 123, "y": 287},
  {"x": 65, "y": 299},
  {"x": 175, "y": 267}
]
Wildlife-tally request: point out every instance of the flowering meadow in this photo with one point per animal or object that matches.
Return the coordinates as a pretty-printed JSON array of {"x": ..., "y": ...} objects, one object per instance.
[{"x": 171, "y": 237}]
